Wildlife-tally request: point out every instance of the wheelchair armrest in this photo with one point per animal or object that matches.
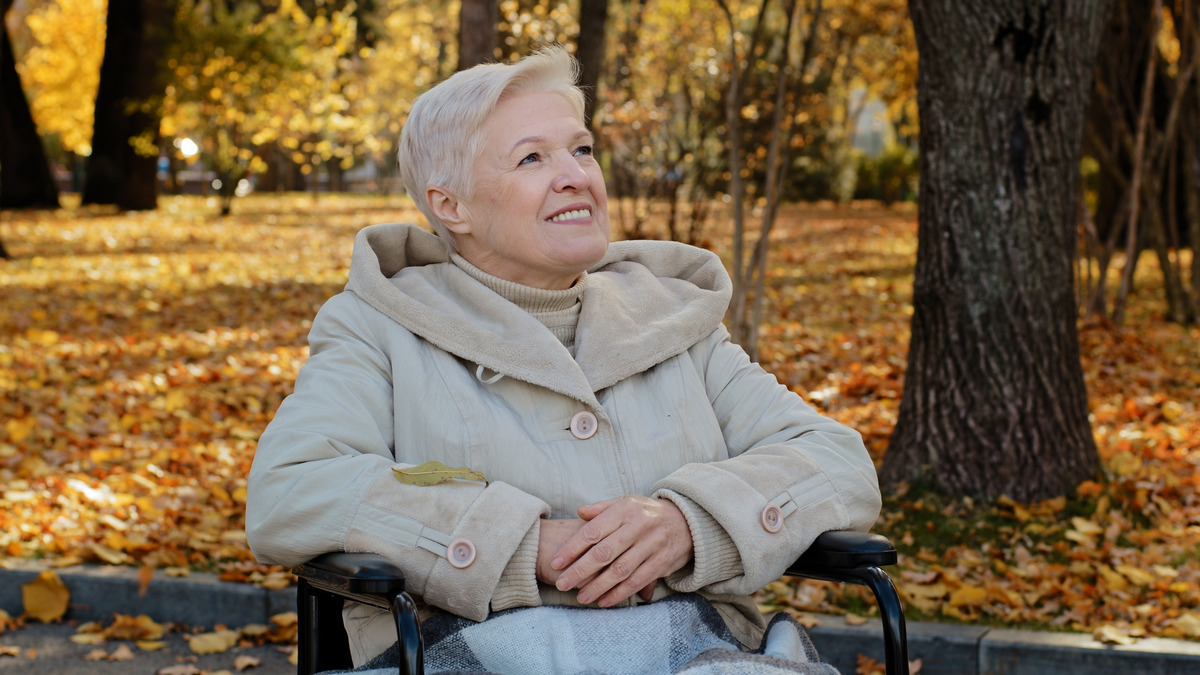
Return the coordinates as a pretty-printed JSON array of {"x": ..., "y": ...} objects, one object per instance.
[
  {"x": 856, "y": 558},
  {"x": 844, "y": 550},
  {"x": 325, "y": 582},
  {"x": 353, "y": 574}
]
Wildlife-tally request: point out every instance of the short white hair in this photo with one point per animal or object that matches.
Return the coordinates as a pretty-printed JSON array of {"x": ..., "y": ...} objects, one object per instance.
[{"x": 443, "y": 133}]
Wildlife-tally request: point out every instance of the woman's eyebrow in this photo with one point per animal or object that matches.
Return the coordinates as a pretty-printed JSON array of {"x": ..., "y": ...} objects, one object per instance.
[{"x": 531, "y": 140}]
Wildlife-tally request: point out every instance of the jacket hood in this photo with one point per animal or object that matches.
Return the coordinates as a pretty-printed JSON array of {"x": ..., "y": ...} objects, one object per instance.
[{"x": 645, "y": 302}]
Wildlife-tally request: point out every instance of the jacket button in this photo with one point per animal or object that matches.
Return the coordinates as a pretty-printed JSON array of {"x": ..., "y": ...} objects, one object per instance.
[
  {"x": 584, "y": 425},
  {"x": 460, "y": 553},
  {"x": 772, "y": 518}
]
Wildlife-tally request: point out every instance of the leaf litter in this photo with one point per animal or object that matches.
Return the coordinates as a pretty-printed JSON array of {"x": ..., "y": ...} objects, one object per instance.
[{"x": 145, "y": 352}]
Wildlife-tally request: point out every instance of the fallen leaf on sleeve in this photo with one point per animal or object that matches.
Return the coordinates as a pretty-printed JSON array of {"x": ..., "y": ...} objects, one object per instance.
[{"x": 434, "y": 472}]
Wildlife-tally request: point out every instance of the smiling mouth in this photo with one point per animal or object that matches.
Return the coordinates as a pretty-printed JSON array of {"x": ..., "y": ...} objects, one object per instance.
[{"x": 571, "y": 215}]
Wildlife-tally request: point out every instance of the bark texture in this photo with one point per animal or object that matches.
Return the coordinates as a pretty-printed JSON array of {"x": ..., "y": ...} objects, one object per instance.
[
  {"x": 129, "y": 84},
  {"x": 477, "y": 35},
  {"x": 994, "y": 398},
  {"x": 25, "y": 177},
  {"x": 593, "y": 22}
]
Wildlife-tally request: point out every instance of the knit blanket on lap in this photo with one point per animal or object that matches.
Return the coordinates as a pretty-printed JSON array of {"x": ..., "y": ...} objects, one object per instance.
[{"x": 680, "y": 634}]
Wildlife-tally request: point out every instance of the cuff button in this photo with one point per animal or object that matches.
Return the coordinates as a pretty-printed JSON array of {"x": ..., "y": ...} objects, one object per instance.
[
  {"x": 772, "y": 518},
  {"x": 460, "y": 553}
]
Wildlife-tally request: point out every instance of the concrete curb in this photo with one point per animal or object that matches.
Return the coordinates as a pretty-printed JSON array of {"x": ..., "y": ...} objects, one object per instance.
[
  {"x": 202, "y": 600},
  {"x": 951, "y": 649},
  {"x": 98, "y": 592}
]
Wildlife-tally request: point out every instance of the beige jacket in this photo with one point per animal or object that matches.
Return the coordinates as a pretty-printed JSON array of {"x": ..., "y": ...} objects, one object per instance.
[{"x": 416, "y": 361}]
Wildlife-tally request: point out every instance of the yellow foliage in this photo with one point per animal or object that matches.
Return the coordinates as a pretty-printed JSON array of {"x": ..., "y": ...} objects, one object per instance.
[{"x": 61, "y": 71}]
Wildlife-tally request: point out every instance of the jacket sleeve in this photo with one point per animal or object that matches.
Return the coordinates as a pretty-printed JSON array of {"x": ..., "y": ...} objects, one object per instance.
[
  {"x": 792, "y": 475},
  {"x": 323, "y": 480}
]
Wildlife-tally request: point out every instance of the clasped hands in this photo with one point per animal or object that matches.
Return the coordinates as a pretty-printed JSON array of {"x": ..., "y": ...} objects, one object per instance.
[{"x": 617, "y": 547}]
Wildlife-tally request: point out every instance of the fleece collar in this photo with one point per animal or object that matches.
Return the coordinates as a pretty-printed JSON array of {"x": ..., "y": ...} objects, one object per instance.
[{"x": 645, "y": 302}]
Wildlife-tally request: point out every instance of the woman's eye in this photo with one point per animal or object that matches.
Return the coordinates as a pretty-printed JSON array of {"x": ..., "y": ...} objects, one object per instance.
[
  {"x": 583, "y": 150},
  {"x": 531, "y": 157}
]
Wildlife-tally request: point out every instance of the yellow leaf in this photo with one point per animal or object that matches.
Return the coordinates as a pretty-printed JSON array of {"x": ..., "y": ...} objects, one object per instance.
[
  {"x": 855, "y": 620},
  {"x": 1114, "y": 580},
  {"x": 141, "y": 627},
  {"x": 938, "y": 590},
  {"x": 244, "y": 661},
  {"x": 88, "y": 638},
  {"x": 1124, "y": 464},
  {"x": 1110, "y": 634},
  {"x": 19, "y": 429},
  {"x": 968, "y": 595},
  {"x": 151, "y": 645},
  {"x": 1137, "y": 575},
  {"x": 1172, "y": 411},
  {"x": 121, "y": 653},
  {"x": 109, "y": 554},
  {"x": 46, "y": 597},
  {"x": 217, "y": 642},
  {"x": 1165, "y": 572},
  {"x": 1188, "y": 624},
  {"x": 277, "y": 581},
  {"x": 434, "y": 472}
]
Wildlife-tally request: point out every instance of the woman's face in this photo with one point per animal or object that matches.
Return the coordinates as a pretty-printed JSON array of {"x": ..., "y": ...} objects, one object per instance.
[{"x": 538, "y": 212}]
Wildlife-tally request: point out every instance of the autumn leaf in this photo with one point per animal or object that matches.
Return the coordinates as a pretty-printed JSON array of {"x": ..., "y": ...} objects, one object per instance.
[
  {"x": 244, "y": 661},
  {"x": 181, "y": 669},
  {"x": 1110, "y": 634},
  {"x": 1188, "y": 624},
  {"x": 215, "y": 642},
  {"x": 132, "y": 628},
  {"x": 7, "y": 623},
  {"x": 46, "y": 597},
  {"x": 434, "y": 472}
]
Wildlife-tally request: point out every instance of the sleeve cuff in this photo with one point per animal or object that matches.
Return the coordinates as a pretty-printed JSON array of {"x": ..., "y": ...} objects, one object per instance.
[
  {"x": 714, "y": 555},
  {"x": 518, "y": 582}
]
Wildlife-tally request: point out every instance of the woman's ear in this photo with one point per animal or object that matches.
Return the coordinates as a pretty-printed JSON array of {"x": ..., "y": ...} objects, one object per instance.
[{"x": 447, "y": 207}]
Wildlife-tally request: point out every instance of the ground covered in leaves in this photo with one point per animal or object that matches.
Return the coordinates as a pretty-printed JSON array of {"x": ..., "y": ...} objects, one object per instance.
[{"x": 141, "y": 355}]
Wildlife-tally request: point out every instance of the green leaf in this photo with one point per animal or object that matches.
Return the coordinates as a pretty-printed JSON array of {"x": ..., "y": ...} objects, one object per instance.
[{"x": 434, "y": 472}]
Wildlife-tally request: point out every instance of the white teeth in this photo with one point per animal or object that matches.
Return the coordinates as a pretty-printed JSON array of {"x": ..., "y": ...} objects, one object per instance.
[{"x": 571, "y": 215}]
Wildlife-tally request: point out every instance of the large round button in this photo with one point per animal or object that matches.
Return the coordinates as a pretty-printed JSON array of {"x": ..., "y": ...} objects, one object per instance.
[
  {"x": 460, "y": 553},
  {"x": 584, "y": 425},
  {"x": 772, "y": 518}
]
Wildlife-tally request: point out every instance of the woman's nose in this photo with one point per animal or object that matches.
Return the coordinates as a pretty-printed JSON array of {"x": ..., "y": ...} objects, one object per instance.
[{"x": 571, "y": 174}]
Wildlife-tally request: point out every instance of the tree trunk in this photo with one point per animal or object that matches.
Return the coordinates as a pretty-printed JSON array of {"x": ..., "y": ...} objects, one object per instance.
[
  {"x": 25, "y": 177},
  {"x": 477, "y": 35},
  {"x": 994, "y": 399},
  {"x": 121, "y": 172},
  {"x": 593, "y": 19}
]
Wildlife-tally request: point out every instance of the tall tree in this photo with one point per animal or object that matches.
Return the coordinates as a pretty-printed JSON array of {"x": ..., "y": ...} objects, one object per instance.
[
  {"x": 593, "y": 20},
  {"x": 477, "y": 35},
  {"x": 25, "y": 177},
  {"x": 994, "y": 399},
  {"x": 122, "y": 169}
]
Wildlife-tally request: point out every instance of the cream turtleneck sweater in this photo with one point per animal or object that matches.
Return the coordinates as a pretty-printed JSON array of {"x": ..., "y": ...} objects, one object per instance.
[{"x": 558, "y": 311}]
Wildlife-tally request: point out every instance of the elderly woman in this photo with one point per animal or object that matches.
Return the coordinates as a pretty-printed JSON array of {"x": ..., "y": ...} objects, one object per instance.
[{"x": 632, "y": 453}]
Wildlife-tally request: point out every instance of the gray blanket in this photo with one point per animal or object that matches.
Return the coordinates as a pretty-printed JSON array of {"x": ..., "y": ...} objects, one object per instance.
[{"x": 680, "y": 634}]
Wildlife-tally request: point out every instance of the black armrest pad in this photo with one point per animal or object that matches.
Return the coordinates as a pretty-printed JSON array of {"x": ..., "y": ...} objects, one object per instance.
[
  {"x": 353, "y": 573},
  {"x": 843, "y": 549}
]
